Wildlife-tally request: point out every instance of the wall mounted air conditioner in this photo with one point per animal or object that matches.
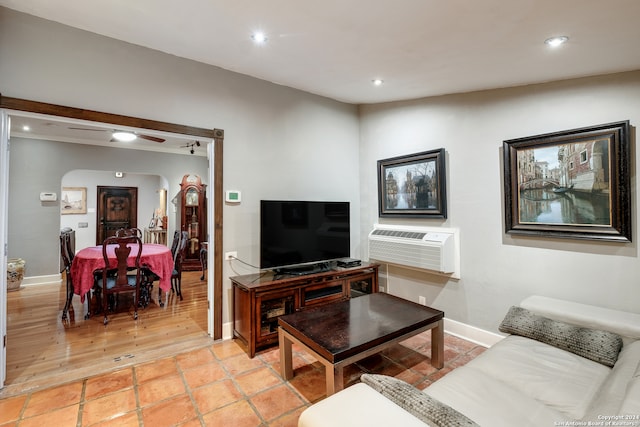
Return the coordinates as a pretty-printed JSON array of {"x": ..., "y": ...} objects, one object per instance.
[{"x": 433, "y": 249}]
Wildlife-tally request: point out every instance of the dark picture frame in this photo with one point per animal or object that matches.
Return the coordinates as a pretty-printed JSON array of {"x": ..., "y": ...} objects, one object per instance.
[
  {"x": 413, "y": 185},
  {"x": 570, "y": 184}
]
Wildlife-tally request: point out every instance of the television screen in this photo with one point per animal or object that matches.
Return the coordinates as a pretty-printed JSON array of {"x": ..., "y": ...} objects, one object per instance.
[{"x": 303, "y": 232}]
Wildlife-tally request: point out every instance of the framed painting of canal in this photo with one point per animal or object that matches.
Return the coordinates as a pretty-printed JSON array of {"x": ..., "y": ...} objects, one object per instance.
[
  {"x": 413, "y": 185},
  {"x": 570, "y": 184}
]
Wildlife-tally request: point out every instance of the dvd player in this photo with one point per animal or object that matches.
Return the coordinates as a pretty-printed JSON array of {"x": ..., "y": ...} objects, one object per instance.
[{"x": 348, "y": 262}]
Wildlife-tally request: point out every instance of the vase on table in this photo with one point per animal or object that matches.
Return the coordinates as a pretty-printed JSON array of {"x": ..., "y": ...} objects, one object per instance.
[{"x": 15, "y": 273}]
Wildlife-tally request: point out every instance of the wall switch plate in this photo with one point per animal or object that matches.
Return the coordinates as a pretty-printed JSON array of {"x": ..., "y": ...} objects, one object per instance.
[{"x": 422, "y": 300}]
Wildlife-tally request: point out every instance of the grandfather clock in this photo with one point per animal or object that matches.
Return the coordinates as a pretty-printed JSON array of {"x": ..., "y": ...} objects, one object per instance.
[{"x": 193, "y": 218}]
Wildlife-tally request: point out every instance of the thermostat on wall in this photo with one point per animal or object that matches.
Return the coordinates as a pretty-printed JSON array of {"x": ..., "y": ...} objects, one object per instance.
[
  {"x": 48, "y": 197},
  {"x": 232, "y": 196}
]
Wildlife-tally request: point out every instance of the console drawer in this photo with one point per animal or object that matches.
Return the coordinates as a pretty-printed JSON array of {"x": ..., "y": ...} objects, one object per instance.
[{"x": 323, "y": 293}]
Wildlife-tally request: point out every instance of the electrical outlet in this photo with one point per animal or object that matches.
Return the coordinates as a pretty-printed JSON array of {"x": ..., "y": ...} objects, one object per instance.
[
  {"x": 422, "y": 300},
  {"x": 230, "y": 255}
]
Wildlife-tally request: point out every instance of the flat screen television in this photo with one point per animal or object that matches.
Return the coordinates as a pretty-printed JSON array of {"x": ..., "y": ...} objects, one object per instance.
[{"x": 303, "y": 236}]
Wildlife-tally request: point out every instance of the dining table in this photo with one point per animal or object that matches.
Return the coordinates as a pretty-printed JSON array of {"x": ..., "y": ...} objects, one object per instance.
[{"x": 155, "y": 257}]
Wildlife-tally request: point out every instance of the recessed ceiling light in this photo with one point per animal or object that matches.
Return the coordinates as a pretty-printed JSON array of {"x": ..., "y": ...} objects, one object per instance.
[
  {"x": 556, "y": 41},
  {"x": 124, "y": 136},
  {"x": 259, "y": 37},
  {"x": 26, "y": 128},
  {"x": 377, "y": 82}
]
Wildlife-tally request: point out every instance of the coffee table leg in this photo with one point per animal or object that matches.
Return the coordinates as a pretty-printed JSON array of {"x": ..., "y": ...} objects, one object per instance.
[
  {"x": 286, "y": 362},
  {"x": 437, "y": 345},
  {"x": 335, "y": 378}
]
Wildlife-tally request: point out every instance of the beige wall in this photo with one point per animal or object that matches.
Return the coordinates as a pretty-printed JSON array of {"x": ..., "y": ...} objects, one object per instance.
[
  {"x": 279, "y": 142},
  {"x": 498, "y": 270}
]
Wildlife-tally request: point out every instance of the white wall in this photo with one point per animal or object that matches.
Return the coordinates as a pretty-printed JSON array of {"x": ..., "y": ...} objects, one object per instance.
[
  {"x": 499, "y": 270},
  {"x": 279, "y": 142}
]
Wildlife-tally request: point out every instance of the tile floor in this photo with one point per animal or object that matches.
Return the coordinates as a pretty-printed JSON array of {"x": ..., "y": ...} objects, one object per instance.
[{"x": 217, "y": 386}]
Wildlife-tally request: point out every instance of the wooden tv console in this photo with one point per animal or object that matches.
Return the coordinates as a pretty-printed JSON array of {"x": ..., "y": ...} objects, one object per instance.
[{"x": 259, "y": 299}]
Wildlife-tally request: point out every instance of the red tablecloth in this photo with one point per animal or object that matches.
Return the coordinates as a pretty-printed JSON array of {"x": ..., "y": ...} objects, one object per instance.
[{"x": 156, "y": 258}]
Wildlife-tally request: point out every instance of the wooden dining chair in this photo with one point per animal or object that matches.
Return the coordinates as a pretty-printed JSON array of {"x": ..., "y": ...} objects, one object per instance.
[
  {"x": 67, "y": 258},
  {"x": 175, "y": 243},
  {"x": 203, "y": 259},
  {"x": 176, "y": 275},
  {"x": 126, "y": 277},
  {"x": 148, "y": 276}
]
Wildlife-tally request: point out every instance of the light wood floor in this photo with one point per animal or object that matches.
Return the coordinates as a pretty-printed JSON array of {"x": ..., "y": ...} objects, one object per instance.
[{"x": 42, "y": 350}]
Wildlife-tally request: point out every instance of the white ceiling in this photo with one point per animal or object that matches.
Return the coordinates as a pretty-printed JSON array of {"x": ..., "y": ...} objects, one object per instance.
[
  {"x": 334, "y": 48},
  {"x": 91, "y": 133}
]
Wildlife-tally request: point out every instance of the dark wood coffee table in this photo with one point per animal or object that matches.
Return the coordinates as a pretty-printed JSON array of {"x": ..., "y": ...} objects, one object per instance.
[{"x": 342, "y": 333}]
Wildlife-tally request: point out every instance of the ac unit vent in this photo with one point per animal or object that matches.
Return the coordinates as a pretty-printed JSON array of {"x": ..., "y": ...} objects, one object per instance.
[
  {"x": 397, "y": 233},
  {"x": 415, "y": 247}
]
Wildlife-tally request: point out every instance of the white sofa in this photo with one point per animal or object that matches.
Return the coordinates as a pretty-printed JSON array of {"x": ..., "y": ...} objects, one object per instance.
[{"x": 517, "y": 382}]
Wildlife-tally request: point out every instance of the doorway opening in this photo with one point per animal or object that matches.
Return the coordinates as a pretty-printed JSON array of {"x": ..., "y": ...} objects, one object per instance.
[{"x": 11, "y": 107}]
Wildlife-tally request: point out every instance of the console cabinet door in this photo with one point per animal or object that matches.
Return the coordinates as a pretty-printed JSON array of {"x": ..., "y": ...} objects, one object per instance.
[
  {"x": 270, "y": 306},
  {"x": 362, "y": 284}
]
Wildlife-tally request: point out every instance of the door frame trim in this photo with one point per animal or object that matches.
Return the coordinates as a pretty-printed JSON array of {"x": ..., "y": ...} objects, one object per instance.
[{"x": 215, "y": 163}]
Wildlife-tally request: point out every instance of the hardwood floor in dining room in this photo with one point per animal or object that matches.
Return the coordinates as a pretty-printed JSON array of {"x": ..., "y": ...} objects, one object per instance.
[{"x": 42, "y": 350}]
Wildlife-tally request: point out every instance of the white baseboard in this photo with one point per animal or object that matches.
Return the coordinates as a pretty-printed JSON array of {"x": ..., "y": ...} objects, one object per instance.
[
  {"x": 227, "y": 330},
  {"x": 42, "y": 280},
  {"x": 471, "y": 333}
]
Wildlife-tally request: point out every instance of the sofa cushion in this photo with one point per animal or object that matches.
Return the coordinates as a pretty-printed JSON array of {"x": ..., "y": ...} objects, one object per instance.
[
  {"x": 616, "y": 388},
  {"x": 599, "y": 346},
  {"x": 357, "y": 406},
  {"x": 417, "y": 403},
  {"x": 533, "y": 371},
  {"x": 491, "y": 402}
]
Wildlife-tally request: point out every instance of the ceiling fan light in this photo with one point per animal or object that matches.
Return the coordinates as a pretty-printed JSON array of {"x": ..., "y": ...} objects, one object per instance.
[
  {"x": 124, "y": 136},
  {"x": 556, "y": 41}
]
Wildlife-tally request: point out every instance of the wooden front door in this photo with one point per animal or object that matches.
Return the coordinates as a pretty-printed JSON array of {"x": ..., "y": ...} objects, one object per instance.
[{"x": 117, "y": 208}]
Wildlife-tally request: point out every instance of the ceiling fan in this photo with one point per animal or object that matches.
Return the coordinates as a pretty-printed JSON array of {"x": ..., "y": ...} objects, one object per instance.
[
  {"x": 191, "y": 145},
  {"x": 134, "y": 134}
]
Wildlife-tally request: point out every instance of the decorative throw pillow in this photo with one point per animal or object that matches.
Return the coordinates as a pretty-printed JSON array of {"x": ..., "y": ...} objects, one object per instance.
[
  {"x": 417, "y": 403},
  {"x": 599, "y": 346}
]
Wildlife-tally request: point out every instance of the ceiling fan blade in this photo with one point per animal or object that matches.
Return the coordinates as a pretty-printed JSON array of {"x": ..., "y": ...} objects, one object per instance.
[
  {"x": 151, "y": 138},
  {"x": 95, "y": 130},
  {"x": 147, "y": 137}
]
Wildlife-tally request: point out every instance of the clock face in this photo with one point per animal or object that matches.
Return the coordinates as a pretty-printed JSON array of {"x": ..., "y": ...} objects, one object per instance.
[{"x": 191, "y": 198}]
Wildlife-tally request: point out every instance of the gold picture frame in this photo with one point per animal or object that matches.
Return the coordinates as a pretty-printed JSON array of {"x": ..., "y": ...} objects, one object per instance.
[{"x": 73, "y": 200}]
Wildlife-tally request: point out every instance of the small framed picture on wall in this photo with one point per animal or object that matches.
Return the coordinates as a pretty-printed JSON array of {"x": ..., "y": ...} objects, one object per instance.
[
  {"x": 73, "y": 200},
  {"x": 413, "y": 185}
]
